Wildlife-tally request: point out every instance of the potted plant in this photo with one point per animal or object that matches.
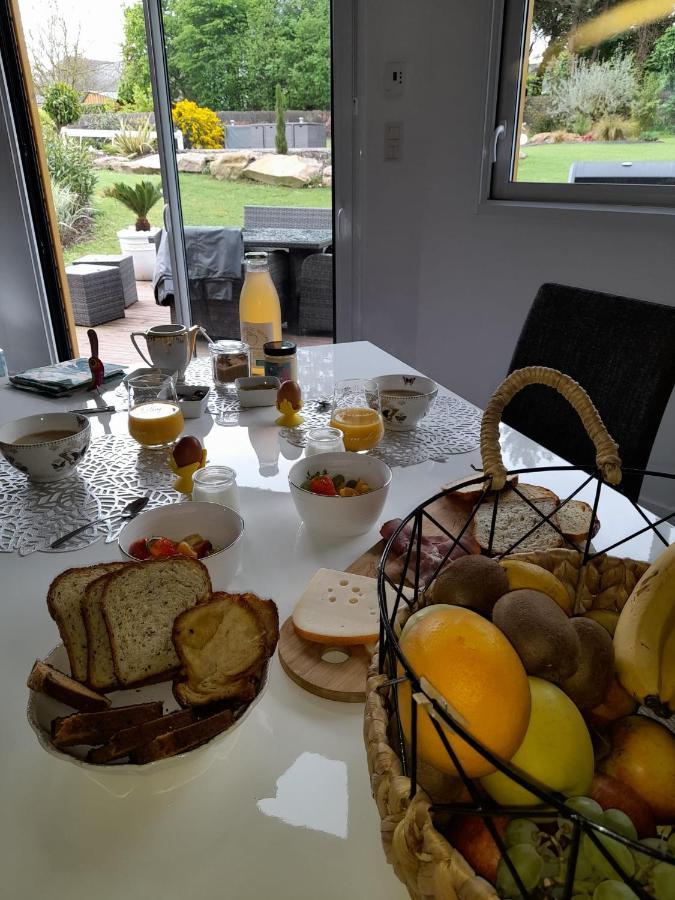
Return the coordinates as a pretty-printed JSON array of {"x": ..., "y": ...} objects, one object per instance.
[{"x": 138, "y": 239}]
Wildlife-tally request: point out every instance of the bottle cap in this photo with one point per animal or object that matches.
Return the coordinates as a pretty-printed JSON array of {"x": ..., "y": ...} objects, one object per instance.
[{"x": 279, "y": 348}]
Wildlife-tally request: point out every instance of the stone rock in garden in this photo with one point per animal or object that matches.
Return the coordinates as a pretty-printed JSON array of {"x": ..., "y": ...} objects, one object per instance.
[
  {"x": 104, "y": 162},
  {"x": 230, "y": 165},
  {"x": 287, "y": 171},
  {"x": 327, "y": 177},
  {"x": 555, "y": 137},
  {"x": 544, "y": 137},
  {"x": 191, "y": 162},
  {"x": 143, "y": 165}
]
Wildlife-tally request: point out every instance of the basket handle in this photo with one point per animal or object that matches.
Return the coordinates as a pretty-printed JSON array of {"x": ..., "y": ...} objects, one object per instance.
[{"x": 607, "y": 457}]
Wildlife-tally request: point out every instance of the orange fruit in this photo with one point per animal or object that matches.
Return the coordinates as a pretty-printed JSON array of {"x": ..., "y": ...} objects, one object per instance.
[{"x": 469, "y": 661}]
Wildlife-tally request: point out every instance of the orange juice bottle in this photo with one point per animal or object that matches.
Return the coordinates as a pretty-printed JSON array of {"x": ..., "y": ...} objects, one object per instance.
[
  {"x": 259, "y": 310},
  {"x": 155, "y": 424},
  {"x": 362, "y": 428}
]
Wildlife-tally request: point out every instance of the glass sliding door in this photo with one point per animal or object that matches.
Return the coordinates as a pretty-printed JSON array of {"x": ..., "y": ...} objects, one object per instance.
[{"x": 243, "y": 109}]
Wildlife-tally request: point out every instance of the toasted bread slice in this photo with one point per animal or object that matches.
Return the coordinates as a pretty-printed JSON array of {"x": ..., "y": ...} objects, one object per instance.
[
  {"x": 123, "y": 742},
  {"x": 268, "y": 614},
  {"x": 97, "y": 727},
  {"x": 140, "y": 605},
  {"x": 183, "y": 739},
  {"x": 575, "y": 520},
  {"x": 515, "y": 518},
  {"x": 100, "y": 667},
  {"x": 223, "y": 646},
  {"x": 63, "y": 602},
  {"x": 47, "y": 680},
  {"x": 473, "y": 492}
]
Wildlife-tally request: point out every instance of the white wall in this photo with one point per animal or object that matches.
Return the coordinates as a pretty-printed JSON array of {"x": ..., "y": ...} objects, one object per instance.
[
  {"x": 22, "y": 328},
  {"x": 447, "y": 287}
]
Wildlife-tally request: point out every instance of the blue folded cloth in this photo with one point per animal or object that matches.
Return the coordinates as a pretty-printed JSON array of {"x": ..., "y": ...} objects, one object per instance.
[{"x": 62, "y": 377}]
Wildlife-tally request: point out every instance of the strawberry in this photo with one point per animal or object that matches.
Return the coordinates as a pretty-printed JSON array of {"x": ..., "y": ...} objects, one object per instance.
[
  {"x": 139, "y": 549},
  {"x": 323, "y": 485},
  {"x": 161, "y": 547}
]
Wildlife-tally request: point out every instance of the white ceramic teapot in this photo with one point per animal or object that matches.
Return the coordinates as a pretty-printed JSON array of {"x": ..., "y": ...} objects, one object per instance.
[{"x": 170, "y": 347}]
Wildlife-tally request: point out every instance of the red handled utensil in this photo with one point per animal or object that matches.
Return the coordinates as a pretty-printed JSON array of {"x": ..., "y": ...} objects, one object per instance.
[{"x": 95, "y": 364}]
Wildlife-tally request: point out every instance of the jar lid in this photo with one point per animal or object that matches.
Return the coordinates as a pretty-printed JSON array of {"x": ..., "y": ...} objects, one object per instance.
[
  {"x": 229, "y": 347},
  {"x": 279, "y": 348}
]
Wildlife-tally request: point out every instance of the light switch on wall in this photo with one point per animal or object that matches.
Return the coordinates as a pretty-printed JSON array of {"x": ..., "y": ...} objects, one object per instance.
[
  {"x": 394, "y": 78},
  {"x": 393, "y": 140}
]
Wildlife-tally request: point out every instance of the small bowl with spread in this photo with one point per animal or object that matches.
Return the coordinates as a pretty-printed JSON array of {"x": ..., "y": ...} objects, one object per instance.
[
  {"x": 405, "y": 400},
  {"x": 258, "y": 390},
  {"x": 46, "y": 447}
]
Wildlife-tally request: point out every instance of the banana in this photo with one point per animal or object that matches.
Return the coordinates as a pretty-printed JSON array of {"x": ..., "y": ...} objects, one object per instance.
[
  {"x": 644, "y": 646},
  {"x": 523, "y": 574}
]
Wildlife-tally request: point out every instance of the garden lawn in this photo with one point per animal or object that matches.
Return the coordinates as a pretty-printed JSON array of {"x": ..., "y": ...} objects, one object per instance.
[
  {"x": 205, "y": 201},
  {"x": 551, "y": 162}
]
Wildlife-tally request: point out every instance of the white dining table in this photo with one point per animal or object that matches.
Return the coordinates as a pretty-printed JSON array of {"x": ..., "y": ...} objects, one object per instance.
[{"x": 279, "y": 808}]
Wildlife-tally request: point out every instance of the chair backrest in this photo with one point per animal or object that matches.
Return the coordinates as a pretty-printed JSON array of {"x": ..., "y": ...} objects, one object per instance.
[
  {"x": 622, "y": 351},
  {"x": 287, "y": 217}
]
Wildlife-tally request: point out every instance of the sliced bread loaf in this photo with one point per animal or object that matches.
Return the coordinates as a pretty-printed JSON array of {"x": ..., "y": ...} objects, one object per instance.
[
  {"x": 575, "y": 520},
  {"x": 515, "y": 518},
  {"x": 100, "y": 668},
  {"x": 183, "y": 739},
  {"x": 140, "y": 604},
  {"x": 97, "y": 727},
  {"x": 63, "y": 601},
  {"x": 123, "y": 742},
  {"x": 47, "y": 680}
]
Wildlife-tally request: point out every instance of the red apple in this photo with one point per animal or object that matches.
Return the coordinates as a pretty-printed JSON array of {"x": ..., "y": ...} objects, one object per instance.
[
  {"x": 470, "y": 836},
  {"x": 611, "y": 793},
  {"x": 616, "y": 704}
]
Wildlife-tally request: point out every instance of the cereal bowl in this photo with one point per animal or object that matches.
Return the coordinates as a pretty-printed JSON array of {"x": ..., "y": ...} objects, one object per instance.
[
  {"x": 340, "y": 516},
  {"x": 46, "y": 447},
  {"x": 218, "y": 524},
  {"x": 405, "y": 400}
]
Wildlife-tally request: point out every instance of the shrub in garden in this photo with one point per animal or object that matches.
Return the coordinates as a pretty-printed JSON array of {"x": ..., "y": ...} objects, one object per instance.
[
  {"x": 200, "y": 125},
  {"x": 594, "y": 89},
  {"x": 615, "y": 128},
  {"x": 70, "y": 165},
  {"x": 646, "y": 104},
  {"x": 72, "y": 217},
  {"x": 134, "y": 140},
  {"x": 47, "y": 125},
  {"x": 538, "y": 116},
  {"x": 62, "y": 104},
  {"x": 139, "y": 198},
  {"x": 280, "y": 133}
]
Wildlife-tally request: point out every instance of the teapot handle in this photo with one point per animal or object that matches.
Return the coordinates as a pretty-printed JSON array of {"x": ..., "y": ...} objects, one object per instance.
[{"x": 133, "y": 336}]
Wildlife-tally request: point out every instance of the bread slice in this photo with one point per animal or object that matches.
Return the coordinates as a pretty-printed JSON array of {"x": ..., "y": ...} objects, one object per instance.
[
  {"x": 63, "y": 602},
  {"x": 223, "y": 646},
  {"x": 268, "y": 616},
  {"x": 515, "y": 518},
  {"x": 473, "y": 492},
  {"x": 97, "y": 727},
  {"x": 47, "y": 680},
  {"x": 140, "y": 605},
  {"x": 123, "y": 742},
  {"x": 575, "y": 520},
  {"x": 100, "y": 667},
  {"x": 183, "y": 739}
]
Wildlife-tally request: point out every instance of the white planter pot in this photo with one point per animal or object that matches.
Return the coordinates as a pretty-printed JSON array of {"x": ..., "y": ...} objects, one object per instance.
[{"x": 142, "y": 248}]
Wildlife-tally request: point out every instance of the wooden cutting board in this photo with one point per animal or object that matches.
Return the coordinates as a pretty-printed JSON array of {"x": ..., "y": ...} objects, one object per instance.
[{"x": 340, "y": 673}]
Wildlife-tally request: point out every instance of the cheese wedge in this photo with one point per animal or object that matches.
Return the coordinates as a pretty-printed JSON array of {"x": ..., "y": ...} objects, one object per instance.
[{"x": 339, "y": 608}]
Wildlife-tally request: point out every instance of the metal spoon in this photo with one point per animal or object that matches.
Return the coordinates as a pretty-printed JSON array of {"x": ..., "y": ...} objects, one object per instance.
[{"x": 131, "y": 510}]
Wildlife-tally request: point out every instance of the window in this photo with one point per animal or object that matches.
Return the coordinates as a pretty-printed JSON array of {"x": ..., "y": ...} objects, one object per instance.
[{"x": 585, "y": 104}]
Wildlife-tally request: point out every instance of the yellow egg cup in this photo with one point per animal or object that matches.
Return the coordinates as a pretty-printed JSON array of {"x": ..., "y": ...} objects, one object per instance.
[
  {"x": 183, "y": 483},
  {"x": 289, "y": 417}
]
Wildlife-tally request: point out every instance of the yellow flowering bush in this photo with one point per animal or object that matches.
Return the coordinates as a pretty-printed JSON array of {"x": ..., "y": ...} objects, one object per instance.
[{"x": 199, "y": 124}]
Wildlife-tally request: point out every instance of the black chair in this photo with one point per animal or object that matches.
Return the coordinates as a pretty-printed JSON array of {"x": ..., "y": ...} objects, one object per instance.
[{"x": 622, "y": 351}]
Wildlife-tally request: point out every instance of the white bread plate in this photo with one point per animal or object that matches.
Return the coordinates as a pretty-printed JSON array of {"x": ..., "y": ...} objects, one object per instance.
[
  {"x": 47, "y": 460},
  {"x": 340, "y": 516},
  {"x": 42, "y": 709},
  {"x": 404, "y": 413},
  {"x": 218, "y": 524}
]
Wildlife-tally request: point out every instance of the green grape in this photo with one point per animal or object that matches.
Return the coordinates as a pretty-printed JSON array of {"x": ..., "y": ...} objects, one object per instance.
[
  {"x": 663, "y": 879},
  {"x": 646, "y": 863},
  {"x": 521, "y": 831},
  {"x": 527, "y": 863},
  {"x": 551, "y": 862},
  {"x": 587, "y": 807},
  {"x": 618, "y": 821},
  {"x": 617, "y": 851},
  {"x": 613, "y": 890}
]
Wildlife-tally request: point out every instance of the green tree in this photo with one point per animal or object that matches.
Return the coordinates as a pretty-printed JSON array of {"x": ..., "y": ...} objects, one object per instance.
[
  {"x": 662, "y": 58},
  {"x": 280, "y": 133},
  {"x": 306, "y": 54},
  {"x": 135, "y": 77},
  {"x": 263, "y": 52},
  {"x": 62, "y": 104}
]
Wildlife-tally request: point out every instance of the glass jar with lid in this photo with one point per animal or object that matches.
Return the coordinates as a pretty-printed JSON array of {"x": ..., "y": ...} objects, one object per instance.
[
  {"x": 281, "y": 360},
  {"x": 229, "y": 361},
  {"x": 216, "y": 484}
]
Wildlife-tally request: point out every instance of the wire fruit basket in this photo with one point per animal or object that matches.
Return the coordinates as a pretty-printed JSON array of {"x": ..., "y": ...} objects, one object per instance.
[{"x": 418, "y": 823}]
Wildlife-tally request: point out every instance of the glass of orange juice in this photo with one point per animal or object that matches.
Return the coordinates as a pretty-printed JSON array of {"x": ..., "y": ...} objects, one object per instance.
[
  {"x": 155, "y": 418},
  {"x": 357, "y": 414}
]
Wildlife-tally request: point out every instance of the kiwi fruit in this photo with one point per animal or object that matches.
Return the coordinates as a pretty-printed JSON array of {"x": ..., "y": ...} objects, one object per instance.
[
  {"x": 540, "y": 632},
  {"x": 588, "y": 686},
  {"x": 475, "y": 582}
]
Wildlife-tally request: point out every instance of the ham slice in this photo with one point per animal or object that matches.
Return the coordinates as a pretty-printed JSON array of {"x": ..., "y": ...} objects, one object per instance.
[{"x": 433, "y": 551}]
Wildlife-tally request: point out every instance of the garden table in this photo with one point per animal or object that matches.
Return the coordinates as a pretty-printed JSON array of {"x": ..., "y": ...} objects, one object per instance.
[{"x": 281, "y": 807}]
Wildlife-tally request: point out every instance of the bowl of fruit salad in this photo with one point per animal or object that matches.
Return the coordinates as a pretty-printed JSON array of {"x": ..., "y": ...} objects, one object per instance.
[
  {"x": 206, "y": 531},
  {"x": 339, "y": 494}
]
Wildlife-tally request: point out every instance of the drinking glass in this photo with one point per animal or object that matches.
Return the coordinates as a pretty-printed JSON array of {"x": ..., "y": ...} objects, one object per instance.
[
  {"x": 216, "y": 484},
  {"x": 357, "y": 414},
  {"x": 324, "y": 440},
  {"x": 155, "y": 418}
]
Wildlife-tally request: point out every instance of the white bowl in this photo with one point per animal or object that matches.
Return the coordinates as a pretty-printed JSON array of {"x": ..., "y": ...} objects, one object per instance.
[
  {"x": 42, "y": 709},
  {"x": 257, "y": 390},
  {"x": 403, "y": 413},
  {"x": 48, "y": 460},
  {"x": 340, "y": 516},
  {"x": 218, "y": 524}
]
